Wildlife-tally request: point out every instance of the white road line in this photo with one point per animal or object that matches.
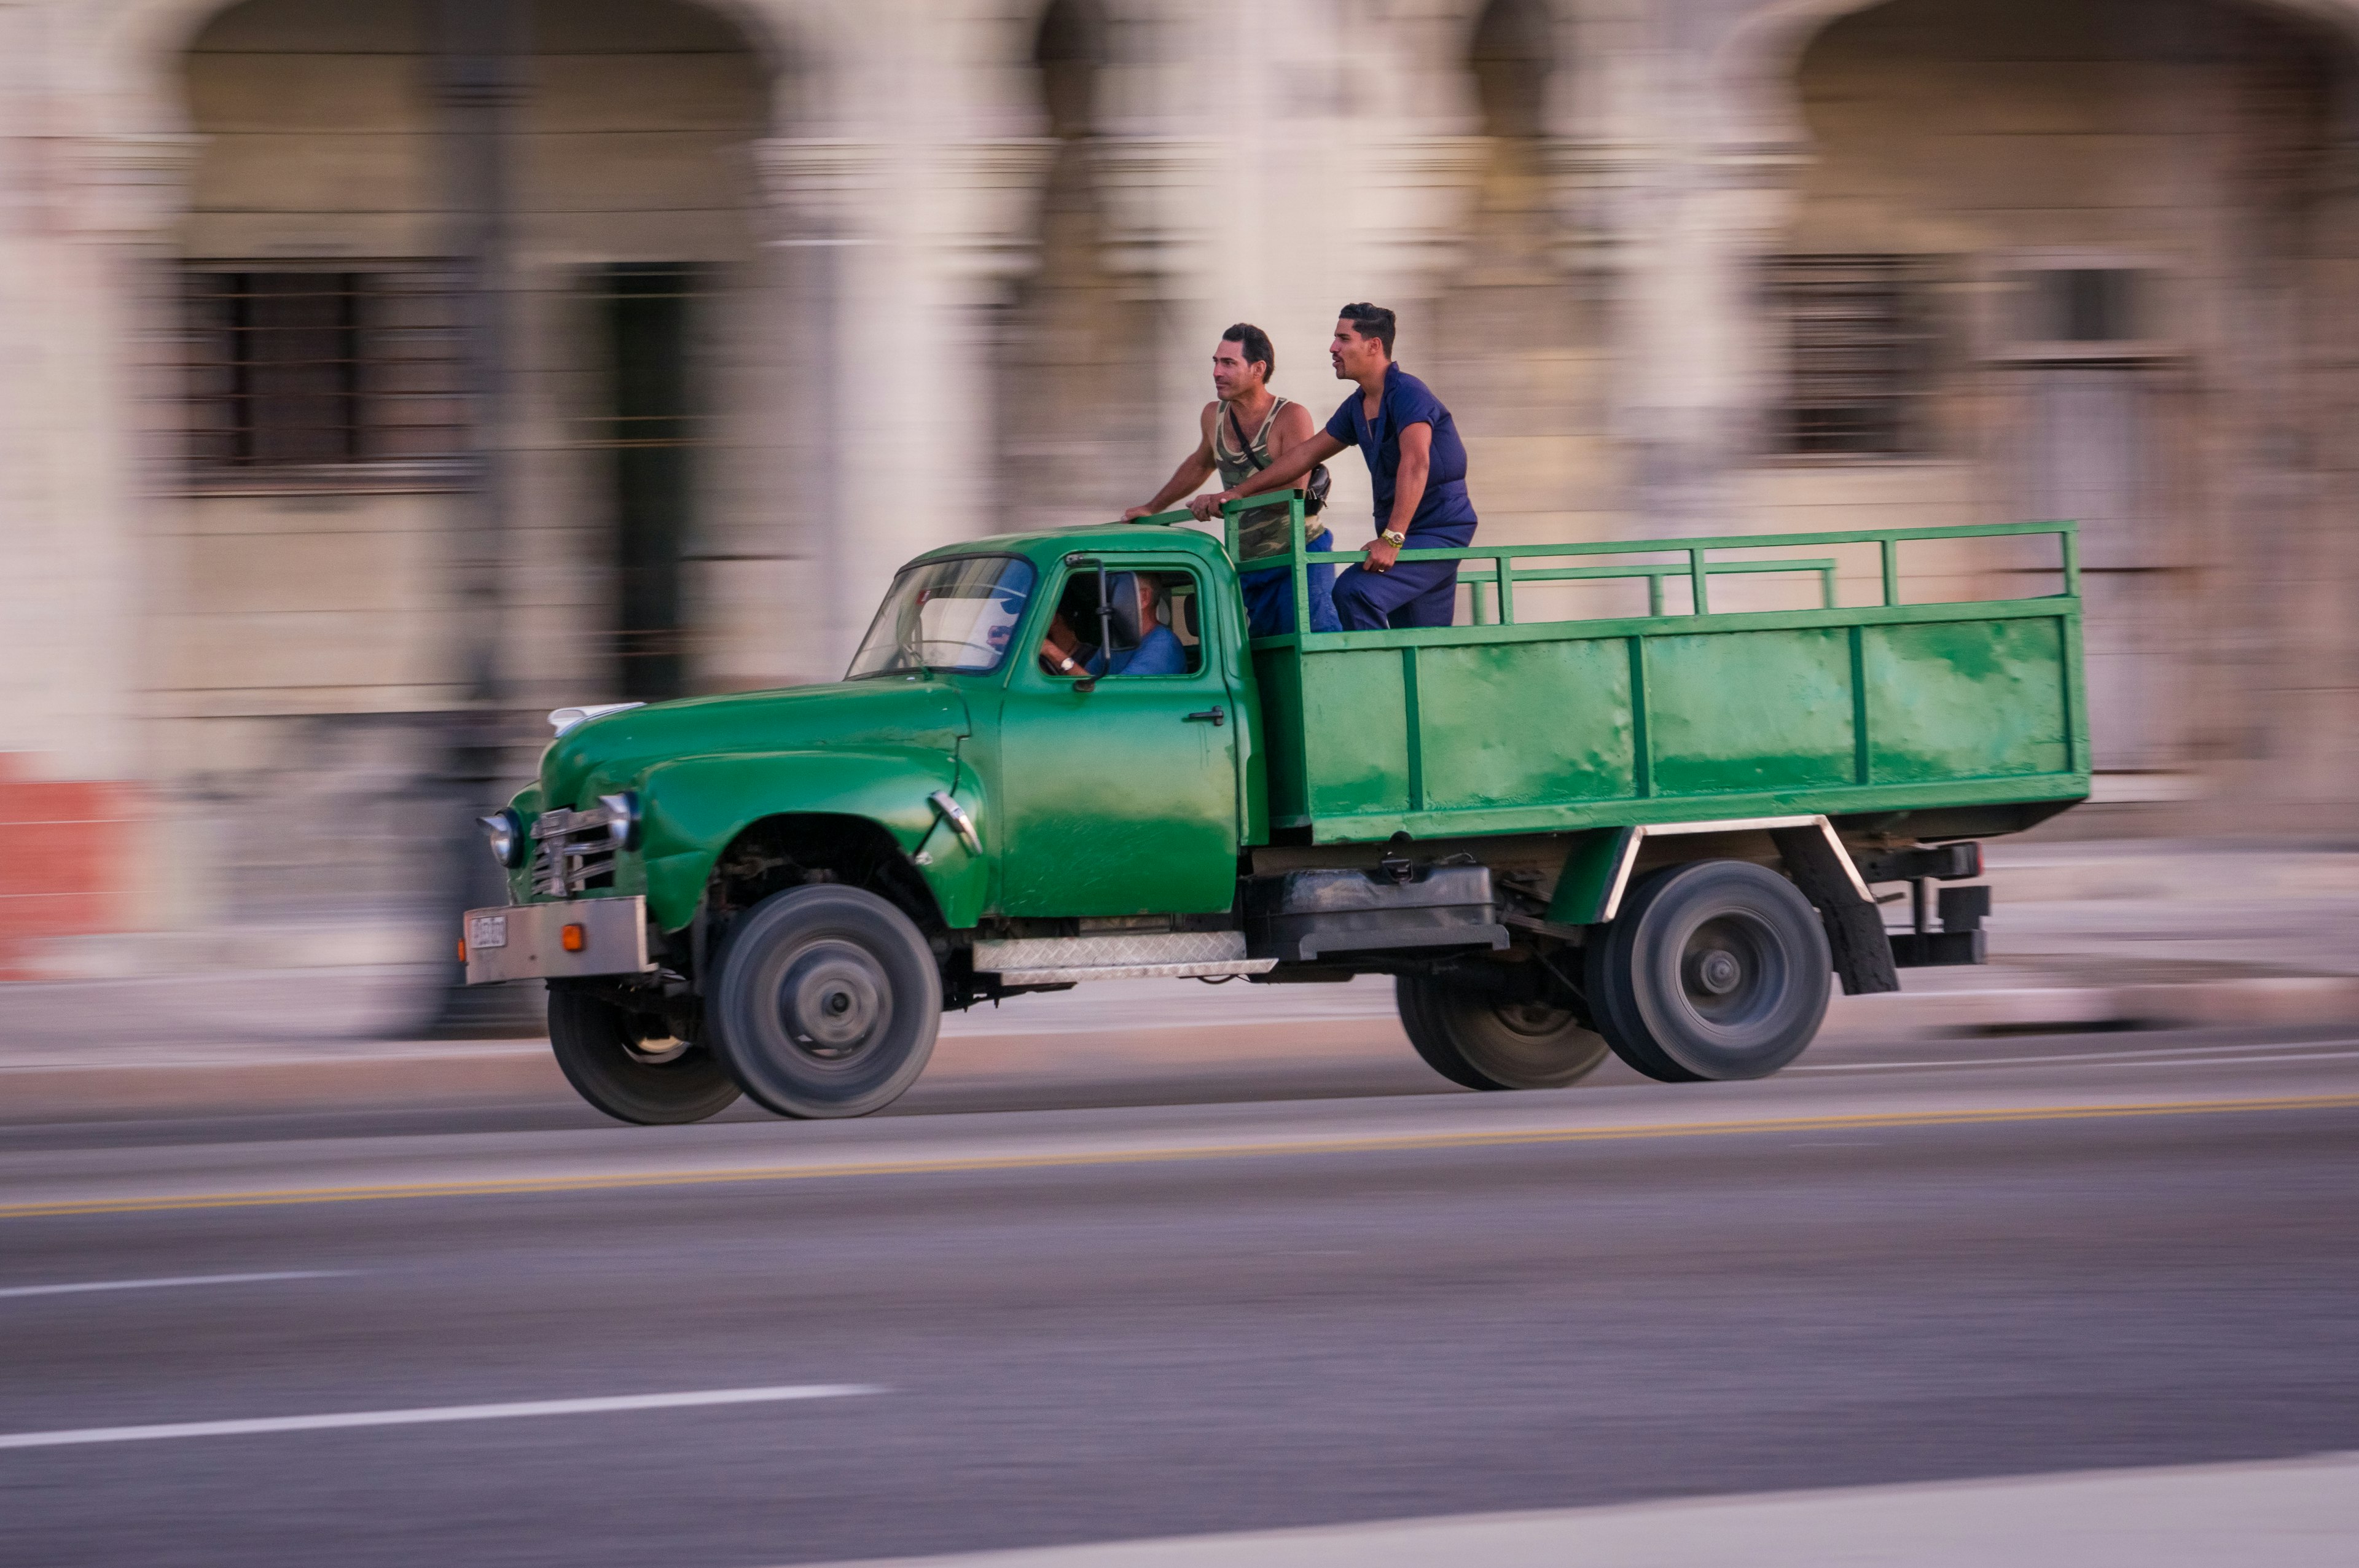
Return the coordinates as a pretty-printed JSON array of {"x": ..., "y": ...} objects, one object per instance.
[
  {"x": 75, "y": 1290},
  {"x": 435, "y": 1414}
]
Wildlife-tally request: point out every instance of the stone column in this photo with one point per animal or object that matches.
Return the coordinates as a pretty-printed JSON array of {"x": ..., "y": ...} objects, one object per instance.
[
  {"x": 89, "y": 413},
  {"x": 814, "y": 188},
  {"x": 1671, "y": 231},
  {"x": 984, "y": 237},
  {"x": 96, "y": 418},
  {"x": 1164, "y": 237},
  {"x": 906, "y": 247}
]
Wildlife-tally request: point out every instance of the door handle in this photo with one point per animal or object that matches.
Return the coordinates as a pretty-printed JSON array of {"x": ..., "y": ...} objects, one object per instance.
[{"x": 1212, "y": 716}]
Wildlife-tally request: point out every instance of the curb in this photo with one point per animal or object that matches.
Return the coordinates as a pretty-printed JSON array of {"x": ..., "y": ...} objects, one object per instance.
[
  {"x": 2276, "y": 1000},
  {"x": 522, "y": 1071},
  {"x": 502, "y": 1072}
]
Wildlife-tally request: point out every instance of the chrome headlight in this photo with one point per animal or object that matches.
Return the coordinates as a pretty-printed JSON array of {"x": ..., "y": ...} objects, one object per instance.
[
  {"x": 505, "y": 832},
  {"x": 622, "y": 820}
]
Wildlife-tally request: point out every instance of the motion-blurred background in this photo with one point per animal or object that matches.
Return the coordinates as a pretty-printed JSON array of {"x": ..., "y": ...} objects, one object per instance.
[{"x": 375, "y": 374}]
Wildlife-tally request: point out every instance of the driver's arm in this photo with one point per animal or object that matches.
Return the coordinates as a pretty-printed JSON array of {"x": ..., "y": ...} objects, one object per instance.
[{"x": 1058, "y": 649}]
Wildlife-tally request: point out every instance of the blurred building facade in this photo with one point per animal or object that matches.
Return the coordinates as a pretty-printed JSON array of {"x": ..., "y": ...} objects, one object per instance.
[{"x": 793, "y": 289}]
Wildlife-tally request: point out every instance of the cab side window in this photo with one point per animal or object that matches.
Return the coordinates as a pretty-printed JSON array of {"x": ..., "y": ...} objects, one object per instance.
[{"x": 1152, "y": 629}]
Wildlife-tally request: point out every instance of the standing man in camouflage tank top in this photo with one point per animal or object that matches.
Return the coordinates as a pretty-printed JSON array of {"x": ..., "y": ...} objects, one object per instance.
[{"x": 1243, "y": 431}]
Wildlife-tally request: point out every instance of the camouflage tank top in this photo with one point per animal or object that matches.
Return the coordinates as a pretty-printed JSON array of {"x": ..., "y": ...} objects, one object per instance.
[{"x": 1263, "y": 531}]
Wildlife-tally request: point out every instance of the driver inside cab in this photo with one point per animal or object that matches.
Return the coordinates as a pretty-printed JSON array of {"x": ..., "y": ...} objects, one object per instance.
[{"x": 1141, "y": 643}]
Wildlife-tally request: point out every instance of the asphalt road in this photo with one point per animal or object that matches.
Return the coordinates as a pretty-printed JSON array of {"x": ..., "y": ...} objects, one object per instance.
[{"x": 1136, "y": 1306}]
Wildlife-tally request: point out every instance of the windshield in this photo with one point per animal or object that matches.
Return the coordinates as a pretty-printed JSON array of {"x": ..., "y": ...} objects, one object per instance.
[{"x": 958, "y": 614}]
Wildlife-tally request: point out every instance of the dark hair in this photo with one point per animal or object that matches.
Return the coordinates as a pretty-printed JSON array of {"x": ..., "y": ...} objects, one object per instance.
[
  {"x": 1370, "y": 321},
  {"x": 1255, "y": 344}
]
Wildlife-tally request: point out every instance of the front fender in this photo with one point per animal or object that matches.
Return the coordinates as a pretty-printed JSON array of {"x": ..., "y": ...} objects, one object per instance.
[{"x": 692, "y": 808}]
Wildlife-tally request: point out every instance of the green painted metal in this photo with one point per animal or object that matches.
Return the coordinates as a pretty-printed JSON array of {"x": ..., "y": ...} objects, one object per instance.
[
  {"x": 1520, "y": 726},
  {"x": 693, "y": 806},
  {"x": 1113, "y": 801},
  {"x": 1586, "y": 884},
  {"x": 1480, "y": 591}
]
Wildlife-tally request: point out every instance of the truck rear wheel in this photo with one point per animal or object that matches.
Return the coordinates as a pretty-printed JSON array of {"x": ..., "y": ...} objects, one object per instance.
[
  {"x": 1482, "y": 1041},
  {"x": 606, "y": 1053},
  {"x": 825, "y": 1002},
  {"x": 1718, "y": 969}
]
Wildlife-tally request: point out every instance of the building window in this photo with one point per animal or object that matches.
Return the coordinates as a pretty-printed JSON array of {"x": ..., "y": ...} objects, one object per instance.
[
  {"x": 1858, "y": 354},
  {"x": 316, "y": 370},
  {"x": 2084, "y": 305}
]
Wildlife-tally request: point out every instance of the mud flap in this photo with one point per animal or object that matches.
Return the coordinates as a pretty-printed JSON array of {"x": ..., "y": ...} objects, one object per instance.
[{"x": 1819, "y": 865}]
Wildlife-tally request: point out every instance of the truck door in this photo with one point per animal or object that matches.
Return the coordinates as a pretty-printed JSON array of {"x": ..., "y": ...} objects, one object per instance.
[{"x": 1120, "y": 799}]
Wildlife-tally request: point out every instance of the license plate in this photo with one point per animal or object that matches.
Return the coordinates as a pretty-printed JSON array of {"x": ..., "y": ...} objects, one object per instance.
[{"x": 488, "y": 931}]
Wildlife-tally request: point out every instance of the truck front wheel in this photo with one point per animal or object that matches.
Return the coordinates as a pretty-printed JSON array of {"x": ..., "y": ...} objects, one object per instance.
[
  {"x": 1487, "y": 1042},
  {"x": 1716, "y": 969},
  {"x": 825, "y": 1002},
  {"x": 609, "y": 1057}
]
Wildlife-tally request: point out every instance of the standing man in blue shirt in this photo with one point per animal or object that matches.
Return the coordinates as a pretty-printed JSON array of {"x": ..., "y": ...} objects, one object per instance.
[{"x": 1418, "y": 466}]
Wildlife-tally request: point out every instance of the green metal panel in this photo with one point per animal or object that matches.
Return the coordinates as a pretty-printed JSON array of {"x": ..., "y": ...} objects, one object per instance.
[
  {"x": 1356, "y": 732},
  {"x": 1962, "y": 699},
  {"x": 1113, "y": 801},
  {"x": 692, "y": 809},
  {"x": 1736, "y": 712},
  {"x": 1279, "y": 681},
  {"x": 1587, "y": 879},
  {"x": 1573, "y": 738}
]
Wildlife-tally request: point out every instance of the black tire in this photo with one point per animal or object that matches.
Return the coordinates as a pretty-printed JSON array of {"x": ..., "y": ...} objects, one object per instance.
[
  {"x": 825, "y": 1002},
  {"x": 1713, "y": 970},
  {"x": 618, "y": 1061},
  {"x": 1485, "y": 1041}
]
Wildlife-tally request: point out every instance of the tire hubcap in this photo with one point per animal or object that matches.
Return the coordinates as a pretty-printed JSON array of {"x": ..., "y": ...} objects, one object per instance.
[
  {"x": 1716, "y": 971},
  {"x": 1729, "y": 970},
  {"x": 832, "y": 1002}
]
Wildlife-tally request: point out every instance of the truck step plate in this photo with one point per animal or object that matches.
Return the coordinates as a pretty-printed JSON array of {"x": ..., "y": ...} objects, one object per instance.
[{"x": 1176, "y": 955}]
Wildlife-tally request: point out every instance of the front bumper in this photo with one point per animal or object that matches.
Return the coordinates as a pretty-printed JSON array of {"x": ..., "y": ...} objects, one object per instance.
[{"x": 528, "y": 941}]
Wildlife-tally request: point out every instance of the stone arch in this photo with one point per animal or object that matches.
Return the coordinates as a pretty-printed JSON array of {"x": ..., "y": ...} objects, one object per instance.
[
  {"x": 1750, "y": 103},
  {"x": 1511, "y": 49},
  {"x": 803, "y": 45}
]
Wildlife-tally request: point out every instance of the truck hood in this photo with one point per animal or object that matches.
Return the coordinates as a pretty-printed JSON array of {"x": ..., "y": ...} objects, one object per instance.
[{"x": 611, "y": 753}]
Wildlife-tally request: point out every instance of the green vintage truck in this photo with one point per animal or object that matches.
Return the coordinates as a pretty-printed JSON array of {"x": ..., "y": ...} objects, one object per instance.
[{"x": 1578, "y": 824}]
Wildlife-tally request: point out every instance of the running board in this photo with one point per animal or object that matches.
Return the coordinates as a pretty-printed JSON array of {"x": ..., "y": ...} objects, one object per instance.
[{"x": 1171, "y": 954}]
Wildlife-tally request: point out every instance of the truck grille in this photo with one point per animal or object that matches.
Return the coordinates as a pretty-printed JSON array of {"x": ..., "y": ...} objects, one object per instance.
[{"x": 573, "y": 851}]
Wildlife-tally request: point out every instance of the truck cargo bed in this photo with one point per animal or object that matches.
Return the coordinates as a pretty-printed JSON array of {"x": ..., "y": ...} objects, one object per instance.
[{"x": 1518, "y": 724}]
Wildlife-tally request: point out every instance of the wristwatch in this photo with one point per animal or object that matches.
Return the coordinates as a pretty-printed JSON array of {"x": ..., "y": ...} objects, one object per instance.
[{"x": 1393, "y": 537}]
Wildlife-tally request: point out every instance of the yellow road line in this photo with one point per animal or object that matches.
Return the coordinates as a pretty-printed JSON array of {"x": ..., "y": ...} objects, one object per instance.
[{"x": 953, "y": 1165}]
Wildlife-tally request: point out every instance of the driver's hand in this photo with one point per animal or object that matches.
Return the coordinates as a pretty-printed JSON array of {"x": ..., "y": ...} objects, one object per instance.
[
  {"x": 1135, "y": 512},
  {"x": 1204, "y": 508},
  {"x": 1382, "y": 557}
]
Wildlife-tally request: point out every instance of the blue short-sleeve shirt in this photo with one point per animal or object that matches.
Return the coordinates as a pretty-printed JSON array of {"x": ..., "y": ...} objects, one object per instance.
[{"x": 1445, "y": 508}]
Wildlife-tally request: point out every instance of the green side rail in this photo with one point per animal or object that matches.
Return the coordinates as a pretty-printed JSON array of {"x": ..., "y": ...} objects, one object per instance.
[{"x": 1503, "y": 574}]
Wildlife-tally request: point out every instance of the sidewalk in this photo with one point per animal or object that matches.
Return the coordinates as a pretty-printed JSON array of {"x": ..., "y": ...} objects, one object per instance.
[{"x": 2082, "y": 936}]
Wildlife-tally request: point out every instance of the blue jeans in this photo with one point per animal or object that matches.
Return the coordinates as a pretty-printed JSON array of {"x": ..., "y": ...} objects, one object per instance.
[
  {"x": 1414, "y": 593},
  {"x": 1269, "y": 596}
]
